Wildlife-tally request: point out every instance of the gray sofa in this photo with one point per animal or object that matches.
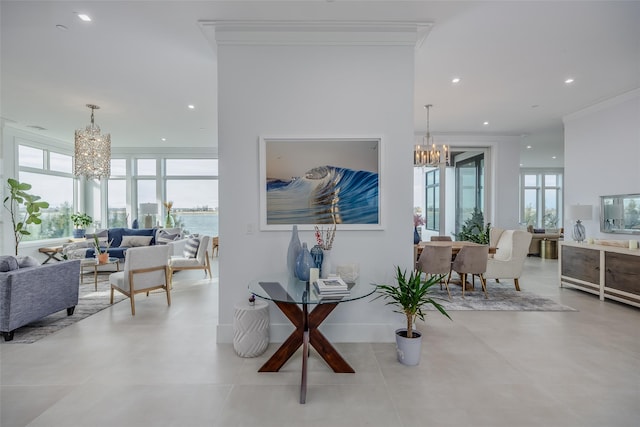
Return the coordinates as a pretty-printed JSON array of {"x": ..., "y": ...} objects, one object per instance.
[{"x": 31, "y": 293}]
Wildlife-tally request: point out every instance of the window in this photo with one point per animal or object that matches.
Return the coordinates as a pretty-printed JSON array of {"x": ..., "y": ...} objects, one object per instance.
[
  {"x": 50, "y": 175},
  {"x": 540, "y": 198},
  {"x": 432, "y": 188},
  {"x": 469, "y": 188}
]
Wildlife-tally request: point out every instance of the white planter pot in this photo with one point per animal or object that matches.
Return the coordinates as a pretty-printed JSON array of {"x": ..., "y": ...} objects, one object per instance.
[{"x": 408, "y": 349}]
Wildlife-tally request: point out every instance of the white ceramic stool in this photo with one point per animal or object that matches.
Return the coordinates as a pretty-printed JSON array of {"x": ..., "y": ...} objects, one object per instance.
[{"x": 251, "y": 328}]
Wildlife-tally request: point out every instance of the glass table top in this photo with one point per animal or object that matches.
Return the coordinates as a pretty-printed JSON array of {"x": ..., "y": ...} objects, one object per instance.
[{"x": 282, "y": 288}]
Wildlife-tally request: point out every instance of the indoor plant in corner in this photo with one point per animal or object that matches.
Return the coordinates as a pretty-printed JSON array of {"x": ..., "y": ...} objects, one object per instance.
[
  {"x": 80, "y": 222},
  {"x": 409, "y": 297},
  {"x": 32, "y": 208}
]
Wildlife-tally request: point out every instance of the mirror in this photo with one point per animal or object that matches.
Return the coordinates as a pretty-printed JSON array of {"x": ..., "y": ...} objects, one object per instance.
[{"x": 620, "y": 214}]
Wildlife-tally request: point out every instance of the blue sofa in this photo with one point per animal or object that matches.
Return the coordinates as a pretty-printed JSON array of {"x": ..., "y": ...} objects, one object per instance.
[
  {"x": 85, "y": 249},
  {"x": 31, "y": 293}
]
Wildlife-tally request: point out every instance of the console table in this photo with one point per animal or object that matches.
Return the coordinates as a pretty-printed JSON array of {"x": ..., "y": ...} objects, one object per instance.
[
  {"x": 607, "y": 271},
  {"x": 289, "y": 294}
]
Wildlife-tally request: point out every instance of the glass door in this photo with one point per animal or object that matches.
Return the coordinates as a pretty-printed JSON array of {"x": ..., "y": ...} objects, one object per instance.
[{"x": 469, "y": 188}]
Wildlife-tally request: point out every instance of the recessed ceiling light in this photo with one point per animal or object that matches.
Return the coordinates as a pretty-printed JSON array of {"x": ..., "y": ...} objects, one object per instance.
[
  {"x": 61, "y": 27},
  {"x": 455, "y": 80},
  {"x": 553, "y": 157},
  {"x": 163, "y": 139},
  {"x": 535, "y": 106},
  {"x": 84, "y": 17},
  {"x": 521, "y": 164},
  {"x": 485, "y": 123},
  {"x": 528, "y": 147},
  {"x": 568, "y": 81},
  {"x": 191, "y": 106}
]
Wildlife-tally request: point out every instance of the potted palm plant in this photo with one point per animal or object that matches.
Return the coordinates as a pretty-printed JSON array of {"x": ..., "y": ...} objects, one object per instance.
[
  {"x": 410, "y": 297},
  {"x": 80, "y": 222}
]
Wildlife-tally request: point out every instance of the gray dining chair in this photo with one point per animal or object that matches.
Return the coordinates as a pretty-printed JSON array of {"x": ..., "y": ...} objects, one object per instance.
[
  {"x": 436, "y": 261},
  {"x": 472, "y": 260}
]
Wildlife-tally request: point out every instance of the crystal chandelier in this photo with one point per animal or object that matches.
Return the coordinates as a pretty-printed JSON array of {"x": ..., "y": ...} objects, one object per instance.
[
  {"x": 428, "y": 153},
  {"x": 92, "y": 151}
]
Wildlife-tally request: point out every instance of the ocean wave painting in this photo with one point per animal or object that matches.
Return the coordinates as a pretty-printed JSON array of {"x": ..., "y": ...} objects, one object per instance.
[{"x": 324, "y": 195}]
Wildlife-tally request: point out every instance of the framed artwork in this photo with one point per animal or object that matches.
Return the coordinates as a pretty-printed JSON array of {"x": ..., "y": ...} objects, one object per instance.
[{"x": 316, "y": 181}]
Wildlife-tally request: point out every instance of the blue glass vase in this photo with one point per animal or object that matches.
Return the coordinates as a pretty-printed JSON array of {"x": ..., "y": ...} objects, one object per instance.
[
  {"x": 317, "y": 254},
  {"x": 294, "y": 250},
  {"x": 416, "y": 236},
  {"x": 303, "y": 263}
]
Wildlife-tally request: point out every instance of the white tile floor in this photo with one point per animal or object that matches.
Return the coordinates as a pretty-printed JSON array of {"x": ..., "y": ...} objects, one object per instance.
[{"x": 164, "y": 368}]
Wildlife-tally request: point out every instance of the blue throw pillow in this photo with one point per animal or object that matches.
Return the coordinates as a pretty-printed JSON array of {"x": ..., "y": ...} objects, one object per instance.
[{"x": 8, "y": 263}]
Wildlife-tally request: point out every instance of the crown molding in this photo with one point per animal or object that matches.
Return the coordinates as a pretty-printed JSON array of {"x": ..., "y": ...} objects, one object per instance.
[{"x": 346, "y": 33}]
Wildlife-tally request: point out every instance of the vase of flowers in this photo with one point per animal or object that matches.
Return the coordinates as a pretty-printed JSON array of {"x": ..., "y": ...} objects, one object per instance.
[
  {"x": 325, "y": 241},
  {"x": 169, "y": 221},
  {"x": 417, "y": 221}
]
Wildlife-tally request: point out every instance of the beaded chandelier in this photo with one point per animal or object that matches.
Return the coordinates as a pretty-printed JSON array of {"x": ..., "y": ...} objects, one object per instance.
[{"x": 92, "y": 151}]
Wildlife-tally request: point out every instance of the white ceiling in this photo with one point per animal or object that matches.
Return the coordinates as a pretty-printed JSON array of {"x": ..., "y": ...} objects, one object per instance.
[{"x": 143, "y": 62}]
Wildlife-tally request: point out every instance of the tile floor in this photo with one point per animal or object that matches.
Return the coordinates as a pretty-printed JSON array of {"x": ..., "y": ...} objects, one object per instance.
[{"x": 483, "y": 369}]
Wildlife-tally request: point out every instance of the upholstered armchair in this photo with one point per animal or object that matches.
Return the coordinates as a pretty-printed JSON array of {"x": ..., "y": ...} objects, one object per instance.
[
  {"x": 146, "y": 268},
  {"x": 195, "y": 256},
  {"x": 508, "y": 261}
]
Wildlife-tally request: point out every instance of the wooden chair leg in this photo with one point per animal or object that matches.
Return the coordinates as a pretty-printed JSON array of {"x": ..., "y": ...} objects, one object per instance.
[
  {"x": 111, "y": 299},
  {"x": 463, "y": 281},
  {"x": 167, "y": 286},
  {"x": 517, "y": 284},
  {"x": 446, "y": 285},
  {"x": 133, "y": 304},
  {"x": 484, "y": 285}
]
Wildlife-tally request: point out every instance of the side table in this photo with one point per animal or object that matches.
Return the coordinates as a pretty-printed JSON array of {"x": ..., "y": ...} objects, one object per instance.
[
  {"x": 91, "y": 262},
  {"x": 251, "y": 328}
]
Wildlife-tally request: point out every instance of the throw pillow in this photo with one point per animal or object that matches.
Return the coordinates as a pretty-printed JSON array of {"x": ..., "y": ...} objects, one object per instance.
[
  {"x": 135, "y": 241},
  {"x": 103, "y": 235},
  {"x": 165, "y": 237},
  {"x": 8, "y": 263},
  {"x": 27, "y": 261},
  {"x": 191, "y": 247}
]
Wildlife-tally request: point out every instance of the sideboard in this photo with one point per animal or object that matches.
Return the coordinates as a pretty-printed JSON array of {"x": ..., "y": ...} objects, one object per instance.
[{"x": 607, "y": 271}]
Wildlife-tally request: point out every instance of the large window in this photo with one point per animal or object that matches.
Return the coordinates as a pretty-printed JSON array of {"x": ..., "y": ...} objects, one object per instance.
[
  {"x": 469, "y": 188},
  {"x": 191, "y": 184},
  {"x": 541, "y": 198},
  {"x": 50, "y": 175}
]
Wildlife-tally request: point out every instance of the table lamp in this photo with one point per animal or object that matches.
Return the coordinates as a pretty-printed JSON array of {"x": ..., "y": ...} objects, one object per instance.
[
  {"x": 148, "y": 209},
  {"x": 579, "y": 213}
]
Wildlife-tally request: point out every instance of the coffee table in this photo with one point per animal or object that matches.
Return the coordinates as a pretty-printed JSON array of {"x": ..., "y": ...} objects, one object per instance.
[
  {"x": 93, "y": 263},
  {"x": 289, "y": 294}
]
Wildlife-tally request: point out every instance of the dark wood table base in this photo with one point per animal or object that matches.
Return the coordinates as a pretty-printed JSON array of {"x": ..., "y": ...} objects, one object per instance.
[{"x": 305, "y": 334}]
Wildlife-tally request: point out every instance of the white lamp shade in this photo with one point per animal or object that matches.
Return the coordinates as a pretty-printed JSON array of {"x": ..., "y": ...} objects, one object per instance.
[
  {"x": 580, "y": 212},
  {"x": 148, "y": 208}
]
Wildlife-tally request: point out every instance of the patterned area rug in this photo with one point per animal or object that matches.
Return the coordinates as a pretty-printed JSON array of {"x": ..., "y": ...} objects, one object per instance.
[
  {"x": 90, "y": 302},
  {"x": 501, "y": 297}
]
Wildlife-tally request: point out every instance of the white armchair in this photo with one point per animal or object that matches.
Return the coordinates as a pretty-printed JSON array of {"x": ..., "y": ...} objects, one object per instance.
[
  {"x": 145, "y": 269},
  {"x": 184, "y": 262},
  {"x": 508, "y": 261}
]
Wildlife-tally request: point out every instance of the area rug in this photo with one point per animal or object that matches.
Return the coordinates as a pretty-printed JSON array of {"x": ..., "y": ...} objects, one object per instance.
[
  {"x": 501, "y": 297},
  {"x": 90, "y": 302}
]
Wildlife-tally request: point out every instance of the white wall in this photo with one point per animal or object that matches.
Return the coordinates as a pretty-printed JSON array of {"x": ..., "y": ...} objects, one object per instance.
[
  {"x": 313, "y": 91},
  {"x": 602, "y": 156}
]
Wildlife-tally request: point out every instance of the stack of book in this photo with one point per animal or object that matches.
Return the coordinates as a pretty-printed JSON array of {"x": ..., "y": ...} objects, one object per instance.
[{"x": 333, "y": 287}]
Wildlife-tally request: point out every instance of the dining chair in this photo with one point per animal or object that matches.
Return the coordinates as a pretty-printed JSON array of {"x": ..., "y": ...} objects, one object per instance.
[
  {"x": 472, "y": 260},
  {"x": 436, "y": 261},
  {"x": 440, "y": 238},
  {"x": 146, "y": 268}
]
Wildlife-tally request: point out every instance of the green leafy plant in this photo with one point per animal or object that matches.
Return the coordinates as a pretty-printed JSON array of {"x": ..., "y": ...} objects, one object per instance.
[
  {"x": 18, "y": 195},
  {"x": 81, "y": 220},
  {"x": 410, "y": 296},
  {"x": 96, "y": 245},
  {"x": 474, "y": 230}
]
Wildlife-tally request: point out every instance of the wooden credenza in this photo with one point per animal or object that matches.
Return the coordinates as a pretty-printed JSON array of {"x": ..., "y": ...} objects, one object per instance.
[{"x": 607, "y": 271}]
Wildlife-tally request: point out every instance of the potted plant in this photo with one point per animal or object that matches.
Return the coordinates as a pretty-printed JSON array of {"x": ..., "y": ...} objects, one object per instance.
[
  {"x": 102, "y": 253},
  {"x": 32, "y": 205},
  {"x": 409, "y": 297},
  {"x": 80, "y": 222}
]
